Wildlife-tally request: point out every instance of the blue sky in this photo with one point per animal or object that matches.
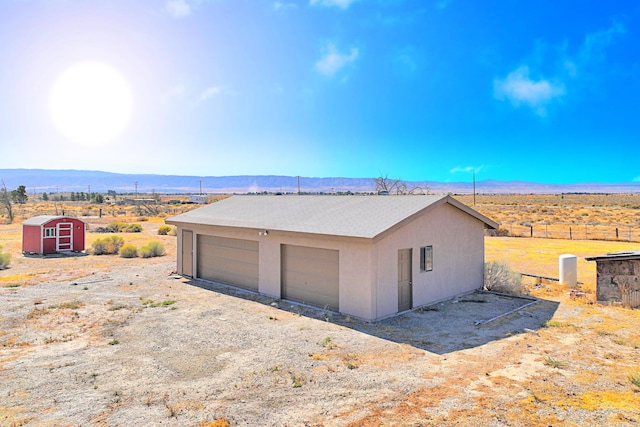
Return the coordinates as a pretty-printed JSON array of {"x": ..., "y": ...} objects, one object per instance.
[{"x": 545, "y": 91}]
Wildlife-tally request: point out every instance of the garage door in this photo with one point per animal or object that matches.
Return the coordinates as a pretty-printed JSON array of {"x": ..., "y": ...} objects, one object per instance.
[
  {"x": 310, "y": 275},
  {"x": 232, "y": 261}
]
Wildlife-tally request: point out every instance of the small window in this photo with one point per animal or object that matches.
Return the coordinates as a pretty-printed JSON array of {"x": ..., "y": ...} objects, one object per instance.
[
  {"x": 426, "y": 258},
  {"x": 49, "y": 232}
]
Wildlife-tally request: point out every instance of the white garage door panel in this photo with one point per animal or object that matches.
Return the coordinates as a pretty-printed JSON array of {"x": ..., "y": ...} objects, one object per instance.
[
  {"x": 232, "y": 261},
  {"x": 310, "y": 275}
]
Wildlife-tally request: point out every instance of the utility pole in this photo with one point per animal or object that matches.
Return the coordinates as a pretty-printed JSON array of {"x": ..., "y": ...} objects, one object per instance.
[
  {"x": 298, "y": 185},
  {"x": 55, "y": 204},
  {"x": 200, "y": 181},
  {"x": 474, "y": 186},
  {"x": 136, "y": 197}
]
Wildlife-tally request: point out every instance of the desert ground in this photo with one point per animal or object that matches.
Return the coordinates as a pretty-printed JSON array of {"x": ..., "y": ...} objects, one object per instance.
[{"x": 108, "y": 341}]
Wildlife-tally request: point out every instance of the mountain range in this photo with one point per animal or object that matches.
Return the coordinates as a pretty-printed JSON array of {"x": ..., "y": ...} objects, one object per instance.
[{"x": 55, "y": 180}]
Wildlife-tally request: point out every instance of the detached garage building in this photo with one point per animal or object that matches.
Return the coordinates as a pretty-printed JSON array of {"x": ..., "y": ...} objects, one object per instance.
[
  {"x": 48, "y": 234},
  {"x": 370, "y": 257}
]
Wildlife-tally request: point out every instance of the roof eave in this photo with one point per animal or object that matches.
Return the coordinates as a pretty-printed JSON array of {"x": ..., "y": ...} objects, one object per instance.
[
  {"x": 446, "y": 199},
  {"x": 47, "y": 219},
  {"x": 273, "y": 231},
  {"x": 489, "y": 223},
  {"x": 613, "y": 258}
]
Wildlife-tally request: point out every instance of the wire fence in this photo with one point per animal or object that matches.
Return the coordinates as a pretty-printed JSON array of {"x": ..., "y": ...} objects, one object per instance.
[{"x": 572, "y": 231}]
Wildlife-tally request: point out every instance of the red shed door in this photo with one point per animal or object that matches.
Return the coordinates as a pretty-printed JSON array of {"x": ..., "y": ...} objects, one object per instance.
[{"x": 64, "y": 237}]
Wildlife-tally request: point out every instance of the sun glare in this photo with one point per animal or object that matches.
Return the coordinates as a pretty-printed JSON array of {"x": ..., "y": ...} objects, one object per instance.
[{"x": 90, "y": 103}]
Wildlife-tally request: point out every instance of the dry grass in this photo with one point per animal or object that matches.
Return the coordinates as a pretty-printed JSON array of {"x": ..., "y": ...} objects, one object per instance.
[
  {"x": 540, "y": 256},
  {"x": 576, "y": 216},
  {"x": 110, "y": 211}
]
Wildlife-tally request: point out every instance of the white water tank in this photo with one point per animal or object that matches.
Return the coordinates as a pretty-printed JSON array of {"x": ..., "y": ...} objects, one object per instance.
[{"x": 568, "y": 267}]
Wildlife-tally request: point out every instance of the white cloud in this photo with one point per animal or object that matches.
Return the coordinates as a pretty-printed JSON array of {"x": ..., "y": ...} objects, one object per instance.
[
  {"x": 280, "y": 6},
  {"x": 333, "y": 61},
  {"x": 519, "y": 88},
  {"x": 209, "y": 92},
  {"x": 467, "y": 169},
  {"x": 406, "y": 61},
  {"x": 178, "y": 8},
  {"x": 570, "y": 69},
  {"x": 181, "y": 8},
  {"x": 342, "y": 4},
  {"x": 593, "y": 48},
  {"x": 173, "y": 92}
]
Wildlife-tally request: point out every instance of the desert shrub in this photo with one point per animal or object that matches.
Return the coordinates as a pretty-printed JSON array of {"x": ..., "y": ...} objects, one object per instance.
[
  {"x": 132, "y": 228},
  {"x": 152, "y": 249},
  {"x": 128, "y": 251},
  {"x": 5, "y": 258},
  {"x": 107, "y": 245},
  {"x": 119, "y": 227},
  {"x": 115, "y": 227},
  {"x": 499, "y": 277},
  {"x": 501, "y": 232},
  {"x": 163, "y": 230}
]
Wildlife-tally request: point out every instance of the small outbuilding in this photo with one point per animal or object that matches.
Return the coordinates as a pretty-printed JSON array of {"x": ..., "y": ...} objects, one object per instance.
[
  {"x": 369, "y": 257},
  {"x": 618, "y": 278},
  {"x": 48, "y": 234}
]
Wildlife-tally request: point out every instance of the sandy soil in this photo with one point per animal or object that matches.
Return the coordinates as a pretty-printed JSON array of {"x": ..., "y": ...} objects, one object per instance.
[{"x": 109, "y": 341}]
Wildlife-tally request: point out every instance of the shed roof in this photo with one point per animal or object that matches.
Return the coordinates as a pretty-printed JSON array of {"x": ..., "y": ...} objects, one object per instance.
[
  {"x": 618, "y": 256},
  {"x": 43, "y": 219},
  {"x": 351, "y": 216}
]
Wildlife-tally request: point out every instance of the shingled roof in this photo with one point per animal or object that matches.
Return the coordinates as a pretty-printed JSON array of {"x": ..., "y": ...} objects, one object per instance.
[
  {"x": 43, "y": 219},
  {"x": 350, "y": 216}
]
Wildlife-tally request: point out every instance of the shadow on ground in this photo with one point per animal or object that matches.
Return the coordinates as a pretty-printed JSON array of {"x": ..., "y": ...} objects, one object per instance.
[
  {"x": 56, "y": 255},
  {"x": 456, "y": 324}
]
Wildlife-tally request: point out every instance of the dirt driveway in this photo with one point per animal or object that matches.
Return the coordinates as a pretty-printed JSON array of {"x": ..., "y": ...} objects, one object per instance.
[{"x": 108, "y": 341}]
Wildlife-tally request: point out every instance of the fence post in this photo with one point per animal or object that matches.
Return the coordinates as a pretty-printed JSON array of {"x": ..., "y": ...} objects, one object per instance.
[
  {"x": 616, "y": 233},
  {"x": 570, "y": 234},
  {"x": 531, "y": 226}
]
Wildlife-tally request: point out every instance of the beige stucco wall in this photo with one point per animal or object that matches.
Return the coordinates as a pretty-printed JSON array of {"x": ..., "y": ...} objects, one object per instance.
[
  {"x": 368, "y": 270},
  {"x": 354, "y": 269},
  {"x": 458, "y": 258},
  {"x": 354, "y": 257}
]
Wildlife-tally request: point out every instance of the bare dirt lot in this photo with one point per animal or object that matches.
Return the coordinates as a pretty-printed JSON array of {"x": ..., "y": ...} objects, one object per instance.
[{"x": 102, "y": 340}]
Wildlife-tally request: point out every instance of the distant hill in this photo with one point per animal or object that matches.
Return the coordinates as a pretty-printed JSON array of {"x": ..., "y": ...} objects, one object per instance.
[{"x": 51, "y": 180}]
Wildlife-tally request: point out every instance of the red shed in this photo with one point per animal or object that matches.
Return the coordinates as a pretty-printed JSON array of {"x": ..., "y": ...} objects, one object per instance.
[{"x": 47, "y": 234}]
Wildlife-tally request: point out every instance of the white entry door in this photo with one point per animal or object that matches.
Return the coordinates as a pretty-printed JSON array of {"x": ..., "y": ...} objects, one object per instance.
[{"x": 64, "y": 237}]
